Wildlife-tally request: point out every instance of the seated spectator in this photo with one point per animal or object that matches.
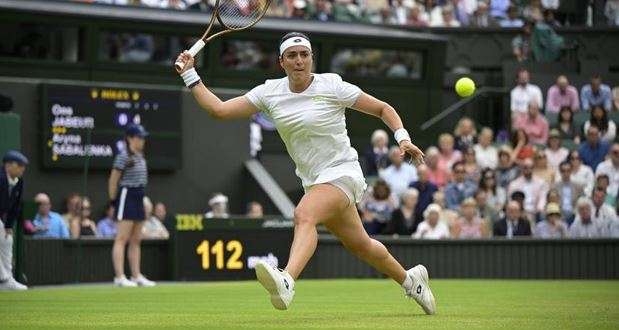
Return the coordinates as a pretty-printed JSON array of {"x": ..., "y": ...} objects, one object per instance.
[
  {"x": 436, "y": 175},
  {"x": 405, "y": 219},
  {"x": 534, "y": 125},
  {"x": 513, "y": 224},
  {"x": 611, "y": 11},
  {"x": 72, "y": 205},
  {"x": 48, "y": 224},
  {"x": 161, "y": 213},
  {"x": 464, "y": 10},
  {"x": 552, "y": 226},
  {"x": 254, "y": 210},
  {"x": 517, "y": 196},
  {"x": 107, "y": 226},
  {"x": 593, "y": 150},
  {"x": 448, "y": 155},
  {"x": 377, "y": 207},
  {"x": 415, "y": 18},
  {"x": 486, "y": 154},
  {"x": 471, "y": 167},
  {"x": 582, "y": 174},
  {"x": 431, "y": 227},
  {"x": 610, "y": 167},
  {"x": 615, "y": 92},
  {"x": 524, "y": 94},
  {"x": 495, "y": 195},
  {"x": 549, "y": 18},
  {"x": 584, "y": 226},
  {"x": 546, "y": 44},
  {"x": 376, "y": 157},
  {"x": 219, "y": 207},
  {"x": 568, "y": 190},
  {"x": 596, "y": 93},
  {"x": 469, "y": 225},
  {"x": 555, "y": 153},
  {"x": 534, "y": 189},
  {"x": 299, "y": 9},
  {"x": 323, "y": 11},
  {"x": 498, "y": 8},
  {"x": 522, "y": 148},
  {"x": 521, "y": 44},
  {"x": 565, "y": 125},
  {"x": 424, "y": 187},
  {"x": 400, "y": 12},
  {"x": 152, "y": 228},
  {"x": 399, "y": 174},
  {"x": 541, "y": 169},
  {"x": 448, "y": 19},
  {"x": 433, "y": 13},
  {"x": 602, "y": 182},
  {"x": 512, "y": 20},
  {"x": 506, "y": 170},
  {"x": 486, "y": 211},
  {"x": 560, "y": 95},
  {"x": 602, "y": 213},
  {"x": 607, "y": 127},
  {"x": 459, "y": 188},
  {"x": 465, "y": 134},
  {"x": 481, "y": 18},
  {"x": 83, "y": 226},
  {"x": 446, "y": 215}
]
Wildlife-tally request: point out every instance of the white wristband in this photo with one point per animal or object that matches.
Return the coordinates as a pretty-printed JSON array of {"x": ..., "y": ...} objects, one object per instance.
[
  {"x": 401, "y": 134},
  {"x": 190, "y": 77}
]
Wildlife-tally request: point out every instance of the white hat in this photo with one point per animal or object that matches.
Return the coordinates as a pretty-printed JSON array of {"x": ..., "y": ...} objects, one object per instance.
[
  {"x": 432, "y": 208},
  {"x": 299, "y": 4},
  {"x": 218, "y": 199}
]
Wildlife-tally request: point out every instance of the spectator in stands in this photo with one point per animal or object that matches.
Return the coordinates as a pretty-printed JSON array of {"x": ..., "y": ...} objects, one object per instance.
[
  {"x": 471, "y": 167},
  {"x": 48, "y": 224},
  {"x": 560, "y": 95},
  {"x": 506, "y": 170},
  {"x": 431, "y": 227},
  {"x": 469, "y": 224},
  {"x": 376, "y": 157},
  {"x": 299, "y": 9},
  {"x": 72, "y": 204},
  {"x": 446, "y": 215},
  {"x": 415, "y": 18},
  {"x": 161, "y": 212},
  {"x": 465, "y": 10},
  {"x": 323, "y": 11},
  {"x": 596, "y": 93},
  {"x": 534, "y": 124},
  {"x": 377, "y": 207},
  {"x": 465, "y": 134},
  {"x": 399, "y": 174},
  {"x": 602, "y": 213},
  {"x": 582, "y": 174},
  {"x": 346, "y": 11},
  {"x": 486, "y": 211},
  {"x": 615, "y": 95},
  {"x": 254, "y": 210},
  {"x": 496, "y": 196},
  {"x": 522, "y": 148},
  {"x": 610, "y": 167},
  {"x": 481, "y": 18},
  {"x": 424, "y": 187},
  {"x": 448, "y": 19},
  {"x": 569, "y": 191},
  {"x": 517, "y": 196},
  {"x": 83, "y": 226},
  {"x": 437, "y": 175},
  {"x": 400, "y": 12},
  {"x": 448, "y": 155},
  {"x": 599, "y": 118},
  {"x": 593, "y": 150},
  {"x": 459, "y": 188},
  {"x": 555, "y": 153},
  {"x": 550, "y": 4},
  {"x": 584, "y": 226},
  {"x": 541, "y": 169},
  {"x": 486, "y": 154},
  {"x": 513, "y": 224},
  {"x": 432, "y": 13},
  {"x": 602, "y": 181},
  {"x": 611, "y": 11},
  {"x": 512, "y": 20},
  {"x": 106, "y": 227},
  {"x": 405, "y": 219},
  {"x": 521, "y": 44},
  {"x": 534, "y": 189},
  {"x": 552, "y": 226},
  {"x": 499, "y": 8},
  {"x": 549, "y": 18},
  {"x": 219, "y": 206},
  {"x": 152, "y": 228},
  {"x": 533, "y": 10},
  {"x": 565, "y": 125},
  {"x": 524, "y": 94}
]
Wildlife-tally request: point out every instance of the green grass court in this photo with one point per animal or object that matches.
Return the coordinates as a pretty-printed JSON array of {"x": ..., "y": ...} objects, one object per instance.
[{"x": 344, "y": 304}]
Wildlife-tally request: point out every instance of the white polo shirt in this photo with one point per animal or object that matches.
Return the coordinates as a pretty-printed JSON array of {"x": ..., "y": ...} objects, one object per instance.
[{"x": 521, "y": 96}]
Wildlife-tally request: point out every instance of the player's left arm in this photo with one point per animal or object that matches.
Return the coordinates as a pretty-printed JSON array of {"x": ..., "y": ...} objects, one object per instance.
[{"x": 372, "y": 106}]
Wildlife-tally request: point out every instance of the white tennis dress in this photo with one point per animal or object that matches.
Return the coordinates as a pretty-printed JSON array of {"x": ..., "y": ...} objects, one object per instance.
[{"x": 313, "y": 127}]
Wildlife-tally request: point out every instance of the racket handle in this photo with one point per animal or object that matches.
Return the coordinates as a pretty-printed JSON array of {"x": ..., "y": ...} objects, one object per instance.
[{"x": 197, "y": 47}]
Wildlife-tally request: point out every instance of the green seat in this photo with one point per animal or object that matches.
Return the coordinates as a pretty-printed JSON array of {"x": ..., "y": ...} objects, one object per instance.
[
  {"x": 569, "y": 144},
  {"x": 552, "y": 118},
  {"x": 580, "y": 118}
]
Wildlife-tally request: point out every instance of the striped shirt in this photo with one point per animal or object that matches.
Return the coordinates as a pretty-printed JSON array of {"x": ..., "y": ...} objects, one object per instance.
[{"x": 135, "y": 173}]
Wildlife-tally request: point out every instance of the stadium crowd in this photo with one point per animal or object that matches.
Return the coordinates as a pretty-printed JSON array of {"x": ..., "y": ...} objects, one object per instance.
[
  {"x": 558, "y": 177},
  {"x": 416, "y": 13}
]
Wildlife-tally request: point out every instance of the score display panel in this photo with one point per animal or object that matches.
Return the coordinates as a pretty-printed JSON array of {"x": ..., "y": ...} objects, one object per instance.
[
  {"x": 227, "y": 249},
  {"x": 80, "y": 121}
]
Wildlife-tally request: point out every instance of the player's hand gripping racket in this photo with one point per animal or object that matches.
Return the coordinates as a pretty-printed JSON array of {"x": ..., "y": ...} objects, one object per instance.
[{"x": 233, "y": 15}]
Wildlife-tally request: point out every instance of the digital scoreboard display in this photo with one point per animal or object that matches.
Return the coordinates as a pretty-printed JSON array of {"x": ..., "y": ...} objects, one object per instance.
[{"x": 83, "y": 122}]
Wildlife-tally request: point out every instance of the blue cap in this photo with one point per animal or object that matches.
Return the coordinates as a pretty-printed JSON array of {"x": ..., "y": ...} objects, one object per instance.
[
  {"x": 15, "y": 156},
  {"x": 136, "y": 130}
]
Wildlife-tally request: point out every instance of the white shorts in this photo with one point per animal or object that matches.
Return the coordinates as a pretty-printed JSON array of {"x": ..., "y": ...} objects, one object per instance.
[
  {"x": 347, "y": 176},
  {"x": 354, "y": 189}
]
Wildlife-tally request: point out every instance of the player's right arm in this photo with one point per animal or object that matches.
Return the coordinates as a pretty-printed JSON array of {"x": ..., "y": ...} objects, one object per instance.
[{"x": 238, "y": 107}]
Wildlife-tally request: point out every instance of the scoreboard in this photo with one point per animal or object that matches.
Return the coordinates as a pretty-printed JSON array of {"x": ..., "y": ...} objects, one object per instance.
[{"x": 81, "y": 122}]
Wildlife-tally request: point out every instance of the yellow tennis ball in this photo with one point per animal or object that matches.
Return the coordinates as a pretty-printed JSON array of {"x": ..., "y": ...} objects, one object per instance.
[{"x": 465, "y": 87}]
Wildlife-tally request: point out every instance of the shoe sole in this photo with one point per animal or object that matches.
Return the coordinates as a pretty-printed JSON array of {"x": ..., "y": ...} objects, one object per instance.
[
  {"x": 426, "y": 281},
  {"x": 267, "y": 280}
]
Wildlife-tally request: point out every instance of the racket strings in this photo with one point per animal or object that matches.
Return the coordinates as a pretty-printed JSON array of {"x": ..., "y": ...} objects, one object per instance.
[{"x": 240, "y": 14}]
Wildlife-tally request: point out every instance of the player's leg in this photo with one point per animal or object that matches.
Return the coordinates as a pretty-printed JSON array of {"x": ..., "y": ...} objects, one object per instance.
[
  {"x": 135, "y": 255},
  {"x": 123, "y": 233}
]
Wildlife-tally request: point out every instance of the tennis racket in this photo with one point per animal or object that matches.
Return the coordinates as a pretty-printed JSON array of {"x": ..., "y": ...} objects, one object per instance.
[{"x": 232, "y": 15}]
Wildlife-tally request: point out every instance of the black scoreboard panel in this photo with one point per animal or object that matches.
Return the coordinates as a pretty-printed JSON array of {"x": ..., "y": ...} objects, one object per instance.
[{"x": 80, "y": 121}]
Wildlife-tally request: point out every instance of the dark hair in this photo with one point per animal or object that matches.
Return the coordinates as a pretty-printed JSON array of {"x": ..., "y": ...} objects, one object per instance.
[
  {"x": 482, "y": 180},
  {"x": 291, "y": 35},
  {"x": 514, "y": 139},
  {"x": 602, "y": 123},
  {"x": 380, "y": 183},
  {"x": 456, "y": 164},
  {"x": 565, "y": 162},
  {"x": 561, "y": 111}
]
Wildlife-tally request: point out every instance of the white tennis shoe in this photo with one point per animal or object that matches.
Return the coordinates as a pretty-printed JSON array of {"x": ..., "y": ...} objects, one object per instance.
[
  {"x": 141, "y": 280},
  {"x": 278, "y": 283},
  {"x": 124, "y": 282},
  {"x": 420, "y": 291}
]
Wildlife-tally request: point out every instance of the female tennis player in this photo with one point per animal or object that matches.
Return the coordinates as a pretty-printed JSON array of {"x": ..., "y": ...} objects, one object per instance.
[
  {"x": 308, "y": 112},
  {"x": 126, "y": 185}
]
